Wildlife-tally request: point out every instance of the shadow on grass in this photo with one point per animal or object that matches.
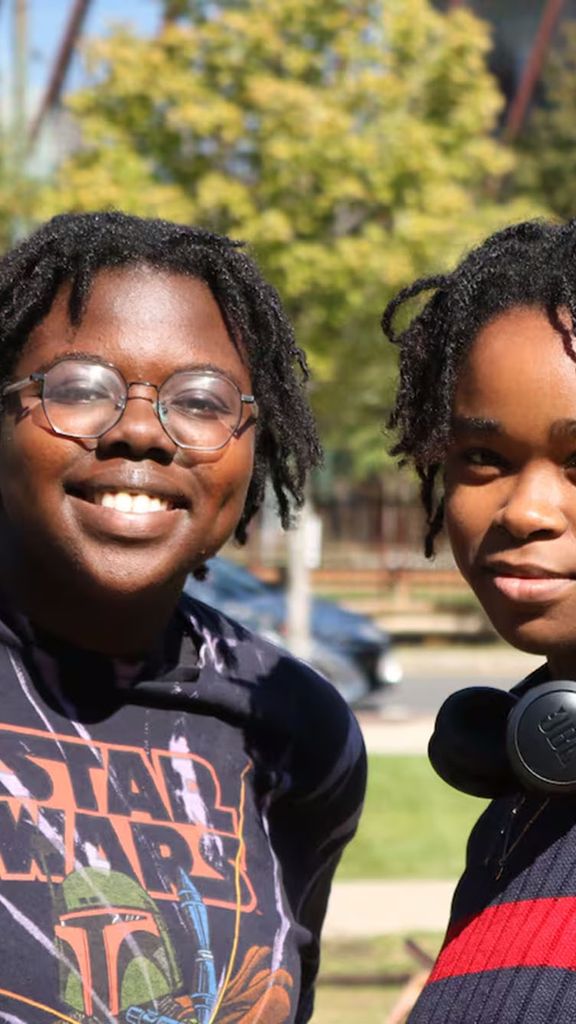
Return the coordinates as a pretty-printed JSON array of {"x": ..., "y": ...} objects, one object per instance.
[{"x": 362, "y": 979}]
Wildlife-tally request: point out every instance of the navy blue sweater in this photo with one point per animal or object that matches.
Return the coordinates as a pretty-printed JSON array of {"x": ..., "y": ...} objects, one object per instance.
[
  {"x": 168, "y": 831},
  {"x": 509, "y": 956}
]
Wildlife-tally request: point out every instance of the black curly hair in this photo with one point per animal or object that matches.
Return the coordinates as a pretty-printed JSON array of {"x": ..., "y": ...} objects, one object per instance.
[
  {"x": 528, "y": 264},
  {"x": 73, "y": 248}
]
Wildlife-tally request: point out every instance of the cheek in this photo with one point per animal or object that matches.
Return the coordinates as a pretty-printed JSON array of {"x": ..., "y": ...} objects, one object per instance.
[
  {"x": 465, "y": 522},
  {"x": 33, "y": 463},
  {"x": 238, "y": 479},
  {"x": 10, "y": 448},
  {"x": 226, "y": 480},
  {"x": 221, "y": 499},
  {"x": 17, "y": 464}
]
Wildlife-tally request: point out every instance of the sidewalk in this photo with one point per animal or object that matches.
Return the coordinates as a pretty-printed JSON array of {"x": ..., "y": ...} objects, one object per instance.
[
  {"x": 364, "y": 909},
  {"x": 396, "y": 736}
]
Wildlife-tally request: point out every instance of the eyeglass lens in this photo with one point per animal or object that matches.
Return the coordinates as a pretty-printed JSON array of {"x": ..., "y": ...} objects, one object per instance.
[{"x": 198, "y": 409}]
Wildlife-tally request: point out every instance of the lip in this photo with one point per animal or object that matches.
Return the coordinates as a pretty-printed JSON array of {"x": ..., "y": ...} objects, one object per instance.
[
  {"x": 131, "y": 479},
  {"x": 133, "y": 527},
  {"x": 528, "y": 583},
  {"x": 126, "y": 527}
]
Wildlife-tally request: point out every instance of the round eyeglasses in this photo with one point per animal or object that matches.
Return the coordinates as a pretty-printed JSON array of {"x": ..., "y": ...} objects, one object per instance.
[{"x": 198, "y": 409}]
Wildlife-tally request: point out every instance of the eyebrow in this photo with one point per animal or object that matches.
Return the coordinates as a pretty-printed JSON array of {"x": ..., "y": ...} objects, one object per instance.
[
  {"x": 565, "y": 428},
  {"x": 93, "y": 357},
  {"x": 475, "y": 425},
  {"x": 90, "y": 357}
]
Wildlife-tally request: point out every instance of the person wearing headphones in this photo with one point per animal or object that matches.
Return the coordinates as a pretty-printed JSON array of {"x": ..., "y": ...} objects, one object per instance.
[{"x": 485, "y": 412}]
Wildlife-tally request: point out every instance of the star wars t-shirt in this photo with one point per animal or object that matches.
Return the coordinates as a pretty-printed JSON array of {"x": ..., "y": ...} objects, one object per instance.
[{"x": 168, "y": 831}]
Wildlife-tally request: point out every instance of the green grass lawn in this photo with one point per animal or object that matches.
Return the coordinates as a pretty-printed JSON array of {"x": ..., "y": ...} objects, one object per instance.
[
  {"x": 372, "y": 963},
  {"x": 413, "y": 826}
]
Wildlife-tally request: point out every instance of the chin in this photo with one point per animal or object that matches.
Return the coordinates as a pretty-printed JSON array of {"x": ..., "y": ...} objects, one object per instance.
[
  {"x": 534, "y": 637},
  {"x": 116, "y": 581}
]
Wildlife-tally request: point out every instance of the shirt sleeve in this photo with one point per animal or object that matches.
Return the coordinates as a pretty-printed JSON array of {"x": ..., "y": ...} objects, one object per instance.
[{"x": 311, "y": 823}]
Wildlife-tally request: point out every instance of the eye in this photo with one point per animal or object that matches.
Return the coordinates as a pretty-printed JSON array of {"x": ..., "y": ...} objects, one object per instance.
[
  {"x": 199, "y": 404},
  {"x": 77, "y": 383},
  {"x": 481, "y": 457},
  {"x": 476, "y": 464},
  {"x": 77, "y": 392}
]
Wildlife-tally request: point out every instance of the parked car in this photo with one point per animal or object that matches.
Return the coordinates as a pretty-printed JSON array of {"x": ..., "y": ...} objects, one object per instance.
[{"x": 350, "y": 649}]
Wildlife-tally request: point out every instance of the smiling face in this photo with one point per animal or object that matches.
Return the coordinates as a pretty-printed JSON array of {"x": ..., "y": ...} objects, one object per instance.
[
  {"x": 130, "y": 512},
  {"x": 510, "y": 481}
]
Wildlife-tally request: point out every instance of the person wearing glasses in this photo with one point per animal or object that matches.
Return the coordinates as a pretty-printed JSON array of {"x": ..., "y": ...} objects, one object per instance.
[{"x": 175, "y": 792}]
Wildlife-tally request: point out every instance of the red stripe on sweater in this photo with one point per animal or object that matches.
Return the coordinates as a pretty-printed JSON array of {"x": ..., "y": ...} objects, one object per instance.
[{"x": 530, "y": 933}]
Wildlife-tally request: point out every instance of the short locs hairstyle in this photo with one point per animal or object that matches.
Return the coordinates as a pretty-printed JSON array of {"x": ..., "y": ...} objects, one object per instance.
[
  {"x": 72, "y": 248},
  {"x": 528, "y": 264}
]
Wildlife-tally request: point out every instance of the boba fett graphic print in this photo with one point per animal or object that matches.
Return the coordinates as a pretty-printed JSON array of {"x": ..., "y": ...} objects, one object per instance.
[{"x": 146, "y": 873}]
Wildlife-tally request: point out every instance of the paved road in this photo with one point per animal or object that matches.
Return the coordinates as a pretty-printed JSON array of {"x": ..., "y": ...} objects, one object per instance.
[
  {"x": 431, "y": 673},
  {"x": 401, "y": 721},
  {"x": 362, "y": 909}
]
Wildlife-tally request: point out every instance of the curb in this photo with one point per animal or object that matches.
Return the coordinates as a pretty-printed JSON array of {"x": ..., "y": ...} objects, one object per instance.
[
  {"x": 407, "y": 736},
  {"x": 366, "y": 909}
]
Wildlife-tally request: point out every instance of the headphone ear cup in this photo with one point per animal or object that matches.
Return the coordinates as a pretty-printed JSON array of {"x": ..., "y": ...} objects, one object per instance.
[
  {"x": 468, "y": 746},
  {"x": 541, "y": 738}
]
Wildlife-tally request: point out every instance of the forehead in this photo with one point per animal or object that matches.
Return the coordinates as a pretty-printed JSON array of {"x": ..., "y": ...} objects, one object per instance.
[
  {"x": 519, "y": 364},
  {"x": 147, "y": 322}
]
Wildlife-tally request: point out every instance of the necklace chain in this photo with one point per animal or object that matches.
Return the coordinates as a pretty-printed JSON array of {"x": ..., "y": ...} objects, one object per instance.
[{"x": 506, "y": 831}]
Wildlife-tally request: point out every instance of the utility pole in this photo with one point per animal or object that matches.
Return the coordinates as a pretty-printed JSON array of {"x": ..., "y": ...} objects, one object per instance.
[
  {"x": 173, "y": 9},
  {"x": 56, "y": 79},
  {"x": 298, "y": 590},
  {"x": 533, "y": 69},
  {"x": 14, "y": 162},
  {"x": 19, "y": 74},
  {"x": 2, "y": 106}
]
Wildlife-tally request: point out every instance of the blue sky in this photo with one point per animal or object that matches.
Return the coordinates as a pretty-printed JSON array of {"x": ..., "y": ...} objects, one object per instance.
[{"x": 46, "y": 21}]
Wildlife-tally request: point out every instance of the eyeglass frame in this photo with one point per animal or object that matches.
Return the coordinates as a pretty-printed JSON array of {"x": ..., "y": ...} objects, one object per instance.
[{"x": 39, "y": 377}]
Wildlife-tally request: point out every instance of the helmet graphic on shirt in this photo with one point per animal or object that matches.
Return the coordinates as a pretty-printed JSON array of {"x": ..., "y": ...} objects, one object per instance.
[{"x": 115, "y": 947}]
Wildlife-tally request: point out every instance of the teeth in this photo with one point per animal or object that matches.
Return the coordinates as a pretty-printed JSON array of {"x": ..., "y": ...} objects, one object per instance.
[{"x": 122, "y": 501}]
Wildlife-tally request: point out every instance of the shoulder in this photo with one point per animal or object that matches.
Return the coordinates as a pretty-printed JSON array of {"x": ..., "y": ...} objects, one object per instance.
[
  {"x": 539, "y": 675},
  {"x": 259, "y": 658},
  {"x": 288, "y": 699}
]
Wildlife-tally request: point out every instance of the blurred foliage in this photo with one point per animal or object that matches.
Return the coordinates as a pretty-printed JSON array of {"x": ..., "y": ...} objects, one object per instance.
[
  {"x": 545, "y": 170},
  {"x": 351, "y": 143},
  {"x": 18, "y": 192}
]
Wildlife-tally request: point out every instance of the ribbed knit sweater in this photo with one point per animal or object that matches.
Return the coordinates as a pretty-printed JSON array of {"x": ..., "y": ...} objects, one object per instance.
[{"x": 509, "y": 956}]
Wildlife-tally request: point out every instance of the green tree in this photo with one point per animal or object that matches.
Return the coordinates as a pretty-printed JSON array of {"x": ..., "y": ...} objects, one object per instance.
[
  {"x": 349, "y": 142},
  {"x": 22, "y": 177},
  {"x": 18, "y": 192},
  {"x": 547, "y": 145}
]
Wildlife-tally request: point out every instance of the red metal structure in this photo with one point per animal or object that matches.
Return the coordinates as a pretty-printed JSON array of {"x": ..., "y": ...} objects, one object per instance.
[{"x": 533, "y": 69}]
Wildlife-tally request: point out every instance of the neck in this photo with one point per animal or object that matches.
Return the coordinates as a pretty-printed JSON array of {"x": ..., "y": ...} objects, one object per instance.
[
  {"x": 562, "y": 665},
  {"x": 127, "y": 630},
  {"x": 120, "y": 625}
]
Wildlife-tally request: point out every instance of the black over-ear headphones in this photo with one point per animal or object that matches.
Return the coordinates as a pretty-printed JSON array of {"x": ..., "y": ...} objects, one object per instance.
[{"x": 488, "y": 742}]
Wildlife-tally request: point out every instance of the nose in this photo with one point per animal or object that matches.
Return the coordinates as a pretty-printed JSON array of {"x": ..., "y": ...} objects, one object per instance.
[
  {"x": 139, "y": 433},
  {"x": 534, "y": 505}
]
